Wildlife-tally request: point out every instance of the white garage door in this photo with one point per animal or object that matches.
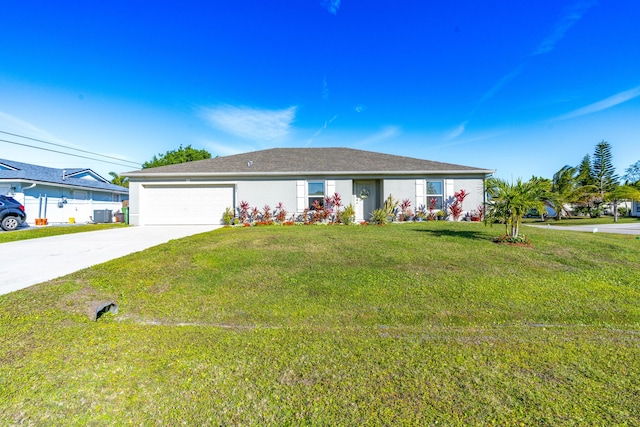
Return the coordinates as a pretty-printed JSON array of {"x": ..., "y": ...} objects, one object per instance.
[{"x": 173, "y": 204}]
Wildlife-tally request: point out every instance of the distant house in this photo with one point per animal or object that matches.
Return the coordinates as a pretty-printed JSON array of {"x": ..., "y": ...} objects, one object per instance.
[
  {"x": 199, "y": 192},
  {"x": 635, "y": 209},
  {"x": 59, "y": 195}
]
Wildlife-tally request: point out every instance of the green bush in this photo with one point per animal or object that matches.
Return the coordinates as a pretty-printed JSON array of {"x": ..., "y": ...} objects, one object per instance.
[
  {"x": 380, "y": 217},
  {"x": 348, "y": 215}
]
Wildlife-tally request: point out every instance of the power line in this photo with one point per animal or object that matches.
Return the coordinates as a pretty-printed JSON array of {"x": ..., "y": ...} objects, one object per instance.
[
  {"x": 70, "y": 148},
  {"x": 62, "y": 152}
]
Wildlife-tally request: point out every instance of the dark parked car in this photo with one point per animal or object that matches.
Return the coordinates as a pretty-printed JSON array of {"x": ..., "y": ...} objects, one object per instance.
[{"x": 12, "y": 213}]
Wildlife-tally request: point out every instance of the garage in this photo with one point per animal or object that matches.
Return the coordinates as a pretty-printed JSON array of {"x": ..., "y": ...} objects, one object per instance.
[{"x": 182, "y": 204}]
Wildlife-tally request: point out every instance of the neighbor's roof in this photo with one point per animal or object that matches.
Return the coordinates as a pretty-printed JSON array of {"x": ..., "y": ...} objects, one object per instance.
[
  {"x": 305, "y": 161},
  {"x": 18, "y": 171}
]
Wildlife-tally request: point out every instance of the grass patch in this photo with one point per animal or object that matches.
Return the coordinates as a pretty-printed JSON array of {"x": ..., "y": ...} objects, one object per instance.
[
  {"x": 52, "y": 230},
  {"x": 583, "y": 220},
  {"x": 411, "y": 324}
]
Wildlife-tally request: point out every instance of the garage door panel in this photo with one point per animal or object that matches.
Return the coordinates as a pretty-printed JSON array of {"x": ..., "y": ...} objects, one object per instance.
[{"x": 173, "y": 205}]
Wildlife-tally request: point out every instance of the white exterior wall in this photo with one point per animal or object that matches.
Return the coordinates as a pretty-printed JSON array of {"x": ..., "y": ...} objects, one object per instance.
[
  {"x": 62, "y": 204},
  {"x": 293, "y": 192},
  {"x": 268, "y": 192}
]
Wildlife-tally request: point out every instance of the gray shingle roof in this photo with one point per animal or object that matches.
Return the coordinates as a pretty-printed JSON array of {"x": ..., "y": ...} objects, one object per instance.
[
  {"x": 304, "y": 161},
  {"x": 29, "y": 172}
]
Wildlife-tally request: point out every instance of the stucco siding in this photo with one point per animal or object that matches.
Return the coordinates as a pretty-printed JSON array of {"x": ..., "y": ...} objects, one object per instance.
[{"x": 268, "y": 192}]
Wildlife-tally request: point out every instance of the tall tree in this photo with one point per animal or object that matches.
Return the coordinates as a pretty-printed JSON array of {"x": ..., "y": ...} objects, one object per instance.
[
  {"x": 181, "y": 155},
  {"x": 632, "y": 174},
  {"x": 566, "y": 189},
  {"x": 602, "y": 169}
]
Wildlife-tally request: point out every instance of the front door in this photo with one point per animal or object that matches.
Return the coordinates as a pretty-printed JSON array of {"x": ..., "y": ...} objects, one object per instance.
[{"x": 366, "y": 195}]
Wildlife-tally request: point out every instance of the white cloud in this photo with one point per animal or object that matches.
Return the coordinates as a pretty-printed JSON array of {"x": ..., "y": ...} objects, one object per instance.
[
  {"x": 250, "y": 123},
  {"x": 573, "y": 15},
  {"x": 609, "y": 102},
  {"x": 360, "y": 108},
  {"x": 21, "y": 126},
  {"x": 503, "y": 81},
  {"x": 325, "y": 88},
  {"x": 459, "y": 130},
  {"x": 331, "y": 5},
  {"x": 385, "y": 134}
]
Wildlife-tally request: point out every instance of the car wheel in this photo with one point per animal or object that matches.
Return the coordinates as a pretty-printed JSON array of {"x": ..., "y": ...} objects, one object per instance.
[{"x": 10, "y": 223}]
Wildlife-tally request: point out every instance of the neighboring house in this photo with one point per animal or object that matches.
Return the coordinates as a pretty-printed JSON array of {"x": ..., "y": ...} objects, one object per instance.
[
  {"x": 635, "y": 209},
  {"x": 199, "y": 192},
  {"x": 59, "y": 195}
]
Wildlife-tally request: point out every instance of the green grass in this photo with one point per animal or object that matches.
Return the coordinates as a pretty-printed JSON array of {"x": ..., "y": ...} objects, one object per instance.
[
  {"x": 52, "y": 230},
  {"x": 584, "y": 220},
  {"x": 412, "y": 324}
]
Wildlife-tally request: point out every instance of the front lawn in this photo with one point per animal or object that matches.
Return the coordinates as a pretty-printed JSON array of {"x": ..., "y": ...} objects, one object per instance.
[
  {"x": 411, "y": 324},
  {"x": 25, "y": 233}
]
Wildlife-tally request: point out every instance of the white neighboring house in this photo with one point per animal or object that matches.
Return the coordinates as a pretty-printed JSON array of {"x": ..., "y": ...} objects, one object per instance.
[
  {"x": 59, "y": 195},
  {"x": 199, "y": 192},
  {"x": 635, "y": 209}
]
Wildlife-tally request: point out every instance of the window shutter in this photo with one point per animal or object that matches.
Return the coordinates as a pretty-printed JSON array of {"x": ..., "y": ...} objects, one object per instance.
[
  {"x": 448, "y": 190},
  {"x": 300, "y": 196},
  {"x": 420, "y": 193},
  {"x": 331, "y": 188}
]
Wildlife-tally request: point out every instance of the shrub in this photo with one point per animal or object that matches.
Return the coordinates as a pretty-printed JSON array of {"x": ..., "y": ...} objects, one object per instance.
[
  {"x": 227, "y": 216},
  {"x": 348, "y": 215},
  {"x": 379, "y": 217}
]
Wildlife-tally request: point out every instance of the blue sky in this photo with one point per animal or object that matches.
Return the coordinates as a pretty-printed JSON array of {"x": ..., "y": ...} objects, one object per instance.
[{"x": 521, "y": 87}]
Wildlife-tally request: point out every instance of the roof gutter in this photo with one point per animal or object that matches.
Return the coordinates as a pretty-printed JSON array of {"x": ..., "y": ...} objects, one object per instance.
[
  {"x": 300, "y": 173},
  {"x": 75, "y": 187}
]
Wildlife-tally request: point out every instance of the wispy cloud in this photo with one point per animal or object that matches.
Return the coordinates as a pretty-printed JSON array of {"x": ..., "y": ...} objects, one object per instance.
[
  {"x": 331, "y": 5},
  {"x": 251, "y": 123},
  {"x": 573, "y": 15},
  {"x": 360, "y": 108},
  {"x": 20, "y": 125},
  {"x": 503, "y": 81},
  {"x": 609, "y": 102},
  {"x": 385, "y": 134},
  {"x": 325, "y": 88},
  {"x": 321, "y": 130},
  {"x": 459, "y": 130}
]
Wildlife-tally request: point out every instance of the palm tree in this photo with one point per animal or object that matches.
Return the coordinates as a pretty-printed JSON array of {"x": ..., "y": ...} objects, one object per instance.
[
  {"x": 508, "y": 202},
  {"x": 120, "y": 180},
  {"x": 566, "y": 188}
]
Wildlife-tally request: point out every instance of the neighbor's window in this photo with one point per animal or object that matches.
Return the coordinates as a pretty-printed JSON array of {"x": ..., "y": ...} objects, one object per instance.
[
  {"x": 80, "y": 195},
  {"x": 115, "y": 197},
  {"x": 316, "y": 192},
  {"x": 434, "y": 194}
]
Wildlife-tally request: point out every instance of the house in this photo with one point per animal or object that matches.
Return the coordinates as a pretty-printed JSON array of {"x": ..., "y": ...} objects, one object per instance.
[
  {"x": 59, "y": 195},
  {"x": 635, "y": 209},
  {"x": 199, "y": 192}
]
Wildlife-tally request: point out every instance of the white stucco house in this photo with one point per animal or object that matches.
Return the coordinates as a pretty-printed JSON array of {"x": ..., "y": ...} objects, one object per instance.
[
  {"x": 199, "y": 192},
  {"x": 59, "y": 195}
]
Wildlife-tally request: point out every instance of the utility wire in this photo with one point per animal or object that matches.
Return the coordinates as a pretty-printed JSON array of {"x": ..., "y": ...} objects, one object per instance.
[
  {"x": 70, "y": 148},
  {"x": 62, "y": 152}
]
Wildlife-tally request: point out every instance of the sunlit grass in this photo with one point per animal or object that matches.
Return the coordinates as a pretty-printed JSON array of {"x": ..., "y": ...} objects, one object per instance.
[
  {"x": 411, "y": 324},
  {"x": 52, "y": 230}
]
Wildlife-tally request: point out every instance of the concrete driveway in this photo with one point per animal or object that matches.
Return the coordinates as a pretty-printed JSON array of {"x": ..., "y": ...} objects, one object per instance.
[
  {"x": 597, "y": 228},
  {"x": 28, "y": 262}
]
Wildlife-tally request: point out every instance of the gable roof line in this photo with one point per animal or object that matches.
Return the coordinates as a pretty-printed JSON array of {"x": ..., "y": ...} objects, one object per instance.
[{"x": 140, "y": 174}]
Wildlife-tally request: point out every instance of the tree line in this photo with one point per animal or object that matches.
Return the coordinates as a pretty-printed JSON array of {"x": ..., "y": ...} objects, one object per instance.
[{"x": 585, "y": 189}]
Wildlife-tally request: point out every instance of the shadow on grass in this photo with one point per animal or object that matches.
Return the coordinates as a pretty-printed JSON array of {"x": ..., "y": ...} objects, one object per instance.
[{"x": 465, "y": 234}]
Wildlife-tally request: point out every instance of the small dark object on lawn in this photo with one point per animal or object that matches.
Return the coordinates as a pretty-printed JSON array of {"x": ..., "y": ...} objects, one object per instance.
[{"x": 103, "y": 308}]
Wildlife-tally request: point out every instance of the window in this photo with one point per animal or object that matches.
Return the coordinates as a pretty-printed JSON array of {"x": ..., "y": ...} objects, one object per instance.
[
  {"x": 434, "y": 195},
  {"x": 316, "y": 193},
  {"x": 80, "y": 195},
  {"x": 115, "y": 197}
]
